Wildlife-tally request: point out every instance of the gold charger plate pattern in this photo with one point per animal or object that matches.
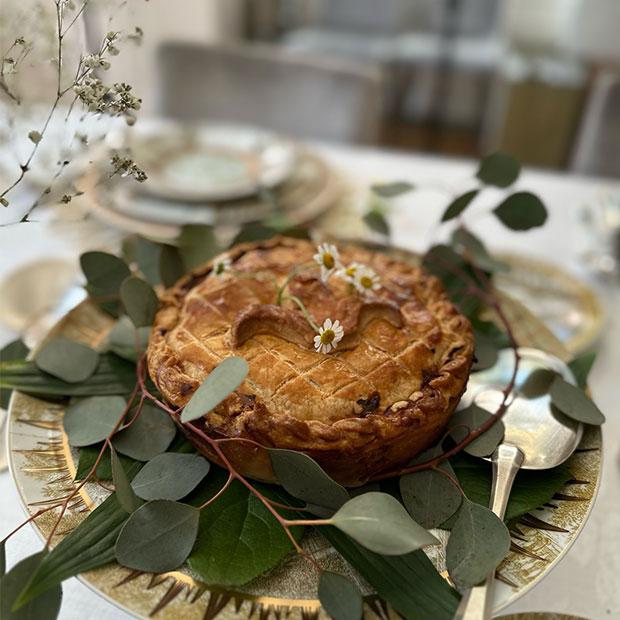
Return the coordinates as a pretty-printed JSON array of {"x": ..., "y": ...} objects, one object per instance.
[{"x": 43, "y": 467}]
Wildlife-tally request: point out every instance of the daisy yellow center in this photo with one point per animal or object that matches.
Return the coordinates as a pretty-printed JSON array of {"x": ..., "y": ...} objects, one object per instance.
[
  {"x": 219, "y": 268},
  {"x": 366, "y": 281},
  {"x": 327, "y": 337},
  {"x": 328, "y": 260},
  {"x": 350, "y": 271}
]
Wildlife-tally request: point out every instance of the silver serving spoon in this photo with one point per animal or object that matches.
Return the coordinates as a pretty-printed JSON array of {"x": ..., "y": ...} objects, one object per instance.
[{"x": 536, "y": 438}]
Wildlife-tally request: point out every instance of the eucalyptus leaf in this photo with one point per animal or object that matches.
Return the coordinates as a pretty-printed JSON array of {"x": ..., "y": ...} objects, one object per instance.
[
  {"x": 124, "y": 337},
  {"x": 126, "y": 496},
  {"x": 340, "y": 597},
  {"x": 521, "y": 211},
  {"x": 499, "y": 169},
  {"x": 380, "y": 523},
  {"x": 224, "y": 379},
  {"x": 479, "y": 541},
  {"x": 113, "y": 376},
  {"x": 90, "y": 420},
  {"x": 68, "y": 360},
  {"x": 170, "y": 476},
  {"x": 46, "y": 606},
  {"x": 158, "y": 537},
  {"x": 148, "y": 435},
  {"x": 239, "y": 539},
  {"x": 581, "y": 366},
  {"x": 140, "y": 301},
  {"x": 486, "y": 352},
  {"x": 197, "y": 244},
  {"x": 537, "y": 383},
  {"x": 391, "y": 190},
  {"x": 375, "y": 220},
  {"x": 430, "y": 497},
  {"x": 304, "y": 479},
  {"x": 573, "y": 402},
  {"x": 466, "y": 243},
  {"x": 456, "y": 275},
  {"x": 471, "y": 418},
  {"x": 104, "y": 272},
  {"x": 146, "y": 254},
  {"x": 89, "y": 546},
  {"x": 458, "y": 205},
  {"x": 171, "y": 266},
  {"x": 15, "y": 350}
]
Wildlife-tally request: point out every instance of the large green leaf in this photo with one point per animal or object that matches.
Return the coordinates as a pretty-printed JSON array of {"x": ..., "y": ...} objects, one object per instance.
[
  {"x": 87, "y": 457},
  {"x": 409, "y": 583},
  {"x": 340, "y": 597},
  {"x": 67, "y": 360},
  {"x": 146, "y": 254},
  {"x": 158, "y": 536},
  {"x": 479, "y": 541},
  {"x": 380, "y": 523},
  {"x": 113, "y": 376},
  {"x": 44, "y": 607},
  {"x": 530, "y": 490},
  {"x": 304, "y": 479},
  {"x": 15, "y": 350},
  {"x": 466, "y": 243},
  {"x": 224, "y": 379},
  {"x": 89, "y": 546},
  {"x": 238, "y": 538}
]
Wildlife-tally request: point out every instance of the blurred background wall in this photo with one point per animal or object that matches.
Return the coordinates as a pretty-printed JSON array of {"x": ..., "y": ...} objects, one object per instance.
[{"x": 538, "y": 78}]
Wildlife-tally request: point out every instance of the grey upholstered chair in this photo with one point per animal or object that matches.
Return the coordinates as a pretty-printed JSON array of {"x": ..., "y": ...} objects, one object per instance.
[
  {"x": 597, "y": 148},
  {"x": 266, "y": 86}
]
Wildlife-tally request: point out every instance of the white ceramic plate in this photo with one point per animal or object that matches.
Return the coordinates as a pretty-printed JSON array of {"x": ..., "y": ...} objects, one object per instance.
[{"x": 206, "y": 162}]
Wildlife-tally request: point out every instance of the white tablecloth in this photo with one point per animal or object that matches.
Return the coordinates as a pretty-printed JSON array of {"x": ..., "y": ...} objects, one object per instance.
[{"x": 586, "y": 582}]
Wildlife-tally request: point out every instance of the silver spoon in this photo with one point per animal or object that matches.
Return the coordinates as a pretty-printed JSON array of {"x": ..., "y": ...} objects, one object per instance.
[{"x": 536, "y": 438}]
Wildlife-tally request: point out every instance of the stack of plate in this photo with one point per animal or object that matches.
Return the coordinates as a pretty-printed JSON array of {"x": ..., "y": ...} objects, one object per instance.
[{"x": 211, "y": 174}]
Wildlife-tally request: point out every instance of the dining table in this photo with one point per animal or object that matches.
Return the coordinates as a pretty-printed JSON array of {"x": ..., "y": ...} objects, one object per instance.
[{"x": 585, "y": 583}]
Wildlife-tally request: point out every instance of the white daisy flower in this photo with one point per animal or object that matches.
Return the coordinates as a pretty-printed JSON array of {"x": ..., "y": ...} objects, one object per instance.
[
  {"x": 366, "y": 280},
  {"x": 328, "y": 258},
  {"x": 221, "y": 265},
  {"x": 348, "y": 273},
  {"x": 329, "y": 336}
]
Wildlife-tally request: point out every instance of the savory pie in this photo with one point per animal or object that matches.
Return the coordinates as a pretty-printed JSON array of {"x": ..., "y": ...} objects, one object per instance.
[{"x": 382, "y": 395}]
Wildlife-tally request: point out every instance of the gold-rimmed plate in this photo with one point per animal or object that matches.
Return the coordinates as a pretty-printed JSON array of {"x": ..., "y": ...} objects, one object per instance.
[{"x": 43, "y": 467}]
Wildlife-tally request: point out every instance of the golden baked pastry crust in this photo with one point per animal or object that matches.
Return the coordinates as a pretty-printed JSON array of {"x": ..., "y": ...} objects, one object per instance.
[{"x": 384, "y": 395}]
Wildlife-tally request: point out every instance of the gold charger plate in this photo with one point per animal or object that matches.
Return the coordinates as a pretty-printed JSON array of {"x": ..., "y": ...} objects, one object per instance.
[{"x": 43, "y": 467}]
